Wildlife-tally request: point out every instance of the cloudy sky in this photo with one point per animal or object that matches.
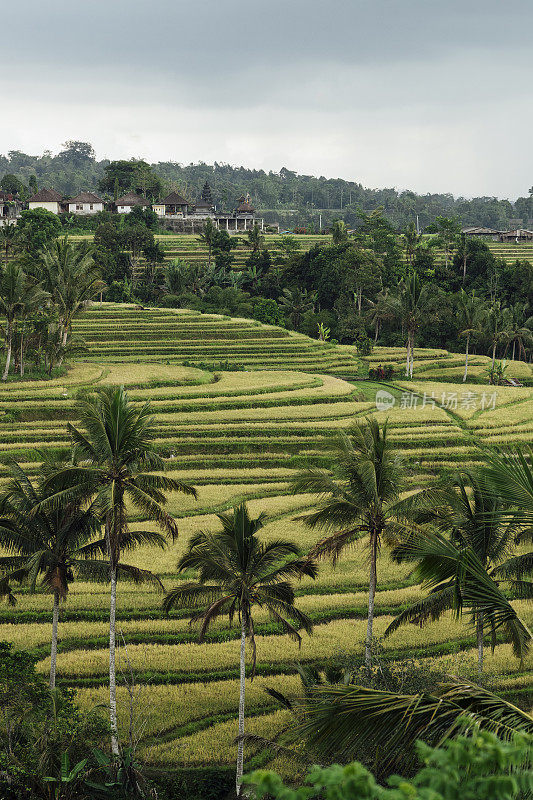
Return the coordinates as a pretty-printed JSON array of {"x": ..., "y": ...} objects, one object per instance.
[{"x": 421, "y": 94}]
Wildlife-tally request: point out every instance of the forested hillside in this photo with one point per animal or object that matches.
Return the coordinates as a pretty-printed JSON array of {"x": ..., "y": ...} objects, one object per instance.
[{"x": 284, "y": 196}]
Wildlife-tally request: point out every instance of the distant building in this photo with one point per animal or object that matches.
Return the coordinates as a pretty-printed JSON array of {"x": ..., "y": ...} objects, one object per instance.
[
  {"x": 85, "y": 203},
  {"x": 10, "y": 208},
  {"x": 204, "y": 206},
  {"x": 518, "y": 235},
  {"x": 48, "y": 199},
  {"x": 128, "y": 201},
  {"x": 173, "y": 205},
  {"x": 481, "y": 233}
]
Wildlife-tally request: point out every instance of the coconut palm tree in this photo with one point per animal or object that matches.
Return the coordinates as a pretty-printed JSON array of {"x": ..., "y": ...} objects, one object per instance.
[
  {"x": 508, "y": 474},
  {"x": 71, "y": 277},
  {"x": 411, "y": 239},
  {"x": 469, "y": 316},
  {"x": 380, "y": 312},
  {"x": 255, "y": 238},
  {"x": 407, "y": 301},
  {"x": 464, "y": 560},
  {"x": 236, "y": 572},
  {"x": 53, "y": 543},
  {"x": 295, "y": 303},
  {"x": 115, "y": 460},
  {"x": 357, "y": 500},
  {"x": 495, "y": 325},
  {"x": 339, "y": 722},
  {"x": 208, "y": 237},
  {"x": 519, "y": 331},
  {"x": 8, "y": 237},
  {"x": 17, "y": 297}
]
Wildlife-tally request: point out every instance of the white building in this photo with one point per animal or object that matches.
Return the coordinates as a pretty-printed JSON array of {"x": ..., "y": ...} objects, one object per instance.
[
  {"x": 128, "y": 201},
  {"x": 85, "y": 203},
  {"x": 173, "y": 205},
  {"x": 48, "y": 199}
]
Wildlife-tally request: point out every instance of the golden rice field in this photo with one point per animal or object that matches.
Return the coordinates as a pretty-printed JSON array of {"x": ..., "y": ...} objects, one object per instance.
[{"x": 239, "y": 406}]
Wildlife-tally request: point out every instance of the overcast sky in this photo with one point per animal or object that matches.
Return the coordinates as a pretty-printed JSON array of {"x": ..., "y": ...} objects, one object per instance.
[{"x": 421, "y": 94}]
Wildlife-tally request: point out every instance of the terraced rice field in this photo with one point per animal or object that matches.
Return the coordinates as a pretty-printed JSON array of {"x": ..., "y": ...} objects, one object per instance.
[
  {"x": 241, "y": 434},
  {"x": 189, "y": 249}
]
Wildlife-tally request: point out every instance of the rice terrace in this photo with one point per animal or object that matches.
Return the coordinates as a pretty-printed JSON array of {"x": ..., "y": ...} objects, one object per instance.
[{"x": 239, "y": 408}]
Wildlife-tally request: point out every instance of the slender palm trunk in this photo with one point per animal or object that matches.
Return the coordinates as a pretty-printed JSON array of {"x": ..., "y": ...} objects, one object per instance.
[
  {"x": 408, "y": 362},
  {"x": 240, "y": 746},
  {"x": 371, "y": 599},
  {"x": 377, "y": 332},
  {"x": 479, "y": 633},
  {"x": 115, "y": 746},
  {"x": 9, "y": 343},
  {"x": 53, "y": 650},
  {"x": 466, "y": 359},
  {"x": 493, "y": 354},
  {"x": 22, "y": 353},
  {"x": 514, "y": 348}
]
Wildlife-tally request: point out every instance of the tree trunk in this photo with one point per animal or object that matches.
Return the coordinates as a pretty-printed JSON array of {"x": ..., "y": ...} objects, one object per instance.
[
  {"x": 240, "y": 746},
  {"x": 53, "y": 650},
  {"x": 9, "y": 343},
  {"x": 514, "y": 348},
  {"x": 115, "y": 745},
  {"x": 408, "y": 357},
  {"x": 377, "y": 332},
  {"x": 479, "y": 632},
  {"x": 371, "y": 598},
  {"x": 493, "y": 355},
  {"x": 21, "y": 353},
  {"x": 466, "y": 359},
  {"x": 412, "y": 350}
]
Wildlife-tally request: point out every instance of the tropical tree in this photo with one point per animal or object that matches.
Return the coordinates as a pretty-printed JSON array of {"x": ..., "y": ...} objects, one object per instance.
[
  {"x": 255, "y": 238},
  {"x": 339, "y": 232},
  {"x": 357, "y": 500},
  {"x": 8, "y": 238},
  {"x": 508, "y": 474},
  {"x": 469, "y": 316},
  {"x": 411, "y": 240},
  {"x": 208, "y": 237},
  {"x": 115, "y": 460},
  {"x": 463, "y": 560},
  {"x": 495, "y": 328},
  {"x": 407, "y": 301},
  {"x": 448, "y": 233},
  {"x": 236, "y": 571},
  {"x": 519, "y": 329},
  {"x": 52, "y": 543},
  {"x": 17, "y": 296},
  {"x": 72, "y": 278},
  {"x": 380, "y": 311},
  {"x": 339, "y": 722},
  {"x": 295, "y": 303}
]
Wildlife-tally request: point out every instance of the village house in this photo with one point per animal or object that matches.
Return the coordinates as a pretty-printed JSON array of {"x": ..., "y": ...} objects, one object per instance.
[
  {"x": 48, "y": 199},
  {"x": 10, "y": 208},
  {"x": 85, "y": 203},
  {"x": 173, "y": 205},
  {"x": 128, "y": 201}
]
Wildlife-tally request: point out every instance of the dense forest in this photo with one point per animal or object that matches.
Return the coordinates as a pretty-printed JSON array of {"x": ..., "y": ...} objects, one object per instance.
[{"x": 282, "y": 196}]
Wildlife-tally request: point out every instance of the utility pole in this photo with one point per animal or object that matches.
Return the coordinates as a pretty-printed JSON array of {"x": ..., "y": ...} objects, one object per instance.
[{"x": 320, "y": 223}]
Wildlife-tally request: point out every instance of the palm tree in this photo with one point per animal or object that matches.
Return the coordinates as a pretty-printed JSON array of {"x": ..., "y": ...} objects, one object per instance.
[
  {"x": 255, "y": 238},
  {"x": 519, "y": 330},
  {"x": 411, "y": 241},
  {"x": 17, "y": 296},
  {"x": 509, "y": 476},
  {"x": 208, "y": 237},
  {"x": 469, "y": 313},
  {"x": 494, "y": 325},
  {"x": 407, "y": 301},
  {"x": 339, "y": 232},
  {"x": 357, "y": 500},
  {"x": 8, "y": 237},
  {"x": 52, "y": 542},
  {"x": 72, "y": 278},
  {"x": 295, "y": 303},
  {"x": 380, "y": 312},
  {"x": 463, "y": 562},
  {"x": 236, "y": 572},
  {"x": 339, "y": 722},
  {"x": 115, "y": 463}
]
